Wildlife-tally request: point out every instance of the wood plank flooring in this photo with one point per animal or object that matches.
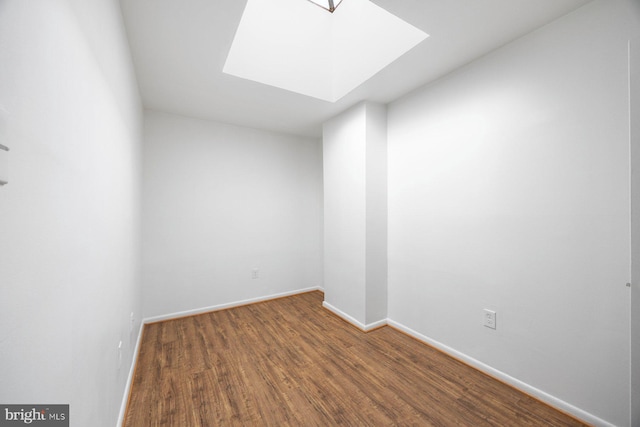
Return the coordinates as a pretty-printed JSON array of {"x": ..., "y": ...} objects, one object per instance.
[{"x": 289, "y": 362}]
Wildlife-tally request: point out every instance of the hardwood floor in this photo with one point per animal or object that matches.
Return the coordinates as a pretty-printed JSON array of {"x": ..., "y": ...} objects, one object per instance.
[{"x": 289, "y": 362}]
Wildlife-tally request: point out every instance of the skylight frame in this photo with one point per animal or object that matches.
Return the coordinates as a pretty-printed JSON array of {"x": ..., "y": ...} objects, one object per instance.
[
  {"x": 328, "y": 5},
  {"x": 290, "y": 45}
]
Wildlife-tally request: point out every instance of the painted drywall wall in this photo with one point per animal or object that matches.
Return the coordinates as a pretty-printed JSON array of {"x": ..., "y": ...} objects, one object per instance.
[
  {"x": 509, "y": 190},
  {"x": 220, "y": 201},
  {"x": 376, "y": 221},
  {"x": 355, "y": 214},
  {"x": 344, "y": 174},
  {"x": 69, "y": 217}
]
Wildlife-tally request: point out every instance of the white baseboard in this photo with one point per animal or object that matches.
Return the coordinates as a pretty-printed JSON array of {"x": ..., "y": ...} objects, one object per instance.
[
  {"x": 127, "y": 388},
  {"x": 353, "y": 321},
  {"x": 520, "y": 385},
  {"x": 201, "y": 310}
]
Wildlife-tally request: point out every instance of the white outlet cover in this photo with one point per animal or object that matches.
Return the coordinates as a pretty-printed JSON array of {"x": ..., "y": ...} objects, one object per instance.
[{"x": 489, "y": 318}]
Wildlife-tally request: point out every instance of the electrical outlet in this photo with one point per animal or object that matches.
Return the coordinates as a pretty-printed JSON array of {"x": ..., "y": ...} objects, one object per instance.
[
  {"x": 489, "y": 318},
  {"x": 131, "y": 323},
  {"x": 255, "y": 273}
]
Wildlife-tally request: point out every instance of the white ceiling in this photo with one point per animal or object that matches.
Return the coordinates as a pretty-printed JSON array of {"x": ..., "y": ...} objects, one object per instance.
[{"x": 180, "y": 47}]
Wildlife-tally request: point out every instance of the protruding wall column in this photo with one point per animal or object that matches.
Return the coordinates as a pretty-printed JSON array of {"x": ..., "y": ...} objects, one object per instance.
[{"x": 355, "y": 215}]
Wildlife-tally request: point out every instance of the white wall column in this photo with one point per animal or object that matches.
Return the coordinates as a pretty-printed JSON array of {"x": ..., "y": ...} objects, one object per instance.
[{"x": 355, "y": 214}]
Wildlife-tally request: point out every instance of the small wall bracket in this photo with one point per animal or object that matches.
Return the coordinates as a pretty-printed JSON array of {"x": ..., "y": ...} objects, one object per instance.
[{"x": 3, "y": 165}]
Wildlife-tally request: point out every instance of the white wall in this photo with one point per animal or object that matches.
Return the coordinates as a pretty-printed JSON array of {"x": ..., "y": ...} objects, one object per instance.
[
  {"x": 376, "y": 221},
  {"x": 509, "y": 190},
  {"x": 69, "y": 217},
  {"x": 220, "y": 201},
  {"x": 345, "y": 212},
  {"x": 355, "y": 214}
]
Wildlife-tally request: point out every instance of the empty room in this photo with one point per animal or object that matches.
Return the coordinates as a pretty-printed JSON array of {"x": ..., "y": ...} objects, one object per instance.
[{"x": 320, "y": 212}]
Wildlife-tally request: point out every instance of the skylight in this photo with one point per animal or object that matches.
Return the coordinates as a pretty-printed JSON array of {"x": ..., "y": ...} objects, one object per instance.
[
  {"x": 330, "y": 5},
  {"x": 296, "y": 46}
]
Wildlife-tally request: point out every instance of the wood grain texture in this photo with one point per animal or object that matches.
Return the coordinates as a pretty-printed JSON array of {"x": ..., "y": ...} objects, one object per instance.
[{"x": 289, "y": 362}]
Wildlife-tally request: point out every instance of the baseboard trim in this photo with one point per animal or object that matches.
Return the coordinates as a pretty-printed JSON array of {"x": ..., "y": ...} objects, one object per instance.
[
  {"x": 127, "y": 387},
  {"x": 501, "y": 376},
  {"x": 352, "y": 320},
  {"x": 186, "y": 313}
]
